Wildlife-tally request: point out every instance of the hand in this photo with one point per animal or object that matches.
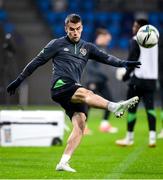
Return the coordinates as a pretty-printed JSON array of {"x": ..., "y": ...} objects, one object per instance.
[
  {"x": 132, "y": 64},
  {"x": 13, "y": 85}
]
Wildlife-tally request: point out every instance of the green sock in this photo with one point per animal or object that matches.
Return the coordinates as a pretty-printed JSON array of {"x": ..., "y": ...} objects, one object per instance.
[
  {"x": 152, "y": 112},
  {"x": 131, "y": 117},
  {"x": 161, "y": 115}
]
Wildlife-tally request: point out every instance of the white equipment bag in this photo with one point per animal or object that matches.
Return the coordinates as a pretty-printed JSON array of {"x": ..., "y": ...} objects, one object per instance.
[{"x": 31, "y": 128}]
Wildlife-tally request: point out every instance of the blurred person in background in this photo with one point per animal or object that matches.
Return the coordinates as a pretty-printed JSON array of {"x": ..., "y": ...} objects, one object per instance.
[
  {"x": 69, "y": 56},
  {"x": 160, "y": 135},
  {"x": 97, "y": 79},
  {"x": 10, "y": 65},
  {"x": 9, "y": 46},
  {"x": 59, "y": 5},
  {"x": 142, "y": 83}
]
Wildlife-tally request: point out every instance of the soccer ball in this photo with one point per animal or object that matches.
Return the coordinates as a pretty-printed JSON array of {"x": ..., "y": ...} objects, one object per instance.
[{"x": 147, "y": 36}]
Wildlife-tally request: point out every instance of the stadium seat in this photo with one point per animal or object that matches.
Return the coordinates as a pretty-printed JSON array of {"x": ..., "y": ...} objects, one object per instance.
[
  {"x": 3, "y": 16},
  {"x": 154, "y": 19},
  {"x": 44, "y": 5},
  {"x": 55, "y": 17},
  {"x": 123, "y": 42},
  {"x": 8, "y": 28},
  {"x": 114, "y": 29},
  {"x": 102, "y": 18},
  {"x": 161, "y": 17},
  {"x": 58, "y": 30},
  {"x": 88, "y": 18},
  {"x": 87, "y": 6},
  {"x": 115, "y": 17},
  {"x": 113, "y": 43},
  {"x": 73, "y": 6},
  {"x": 50, "y": 17},
  {"x": 87, "y": 32}
]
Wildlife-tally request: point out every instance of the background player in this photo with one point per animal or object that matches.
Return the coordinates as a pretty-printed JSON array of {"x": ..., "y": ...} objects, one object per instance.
[
  {"x": 97, "y": 79},
  {"x": 160, "y": 135},
  {"x": 142, "y": 84}
]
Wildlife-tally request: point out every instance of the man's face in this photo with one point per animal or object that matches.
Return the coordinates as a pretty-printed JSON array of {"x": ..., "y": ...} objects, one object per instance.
[
  {"x": 135, "y": 28},
  {"x": 74, "y": 31}
]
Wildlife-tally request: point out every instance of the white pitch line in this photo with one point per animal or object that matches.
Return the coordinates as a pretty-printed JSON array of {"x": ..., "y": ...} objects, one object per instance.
[{"x": 128, "y": 161}]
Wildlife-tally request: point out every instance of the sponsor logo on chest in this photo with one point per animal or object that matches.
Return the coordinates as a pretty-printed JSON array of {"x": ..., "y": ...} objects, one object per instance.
[{"x": 83, "y": 51}]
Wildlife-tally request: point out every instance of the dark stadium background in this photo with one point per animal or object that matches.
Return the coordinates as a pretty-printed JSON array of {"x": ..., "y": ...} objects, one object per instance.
[{"x": 32, "y": 23}]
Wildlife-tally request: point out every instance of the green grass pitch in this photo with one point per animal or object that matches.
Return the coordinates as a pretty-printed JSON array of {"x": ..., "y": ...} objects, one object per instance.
[{"x": 97, "y": 157}]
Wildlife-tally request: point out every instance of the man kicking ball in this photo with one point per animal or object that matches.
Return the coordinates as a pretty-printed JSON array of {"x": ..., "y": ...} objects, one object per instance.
[{"x": 69, "y": 56}]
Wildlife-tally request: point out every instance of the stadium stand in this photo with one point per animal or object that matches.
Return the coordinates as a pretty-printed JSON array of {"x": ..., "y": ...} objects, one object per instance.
[
  {"x": 39, "y": 21},
  {"x": 35, "y": 35},
  {"x": 93, "y": 16},
  {"x": 6, "y": 27}
]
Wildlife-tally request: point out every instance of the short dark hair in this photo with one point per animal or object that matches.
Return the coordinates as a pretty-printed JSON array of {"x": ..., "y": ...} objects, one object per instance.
[
  {"x": 142, "y": 22},
  {"x": 74, "y": 18},
  {"x": 101, "y": 31}
]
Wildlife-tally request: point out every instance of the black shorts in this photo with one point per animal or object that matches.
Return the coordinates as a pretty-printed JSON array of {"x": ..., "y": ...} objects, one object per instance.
[
  {"x": 143, "y": 88},
  {"x": 62, "y": 95}
]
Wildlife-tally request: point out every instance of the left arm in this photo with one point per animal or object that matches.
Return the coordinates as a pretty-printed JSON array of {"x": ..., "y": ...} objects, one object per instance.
[{"x": 103, "y": 57}]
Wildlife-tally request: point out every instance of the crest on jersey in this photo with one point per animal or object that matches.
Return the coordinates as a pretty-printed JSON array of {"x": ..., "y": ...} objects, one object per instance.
[
  {"x": 83, "y": 51},
  {"x": 66, "y": 49}
]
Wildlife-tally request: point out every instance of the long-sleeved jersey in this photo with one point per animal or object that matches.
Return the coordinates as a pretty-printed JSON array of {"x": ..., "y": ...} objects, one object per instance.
[
  {"x": 69, "y": 59},
  {"x": 94, "y": 70}
]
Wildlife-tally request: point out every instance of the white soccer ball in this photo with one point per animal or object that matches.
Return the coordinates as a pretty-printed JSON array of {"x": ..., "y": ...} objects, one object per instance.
[{"x": 147, "y": 36}]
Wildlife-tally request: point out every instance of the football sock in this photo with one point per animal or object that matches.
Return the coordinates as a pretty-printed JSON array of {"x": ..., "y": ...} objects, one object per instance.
[
  {"x": 152, "y": 135},
  {"x": 112, "y": 106},
  {"x": 131, "y": 119},
  {"x": 130, "y": 135},
  {"x": 65, "y": 158},
  {"x": 151, "y": 119},
  {"x": 106, "y": 115},
  {"x": 104, "y": 122}
]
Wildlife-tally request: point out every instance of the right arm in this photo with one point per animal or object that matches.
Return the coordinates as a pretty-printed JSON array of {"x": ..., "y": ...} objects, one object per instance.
[{"x": 44, "y": 56}]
